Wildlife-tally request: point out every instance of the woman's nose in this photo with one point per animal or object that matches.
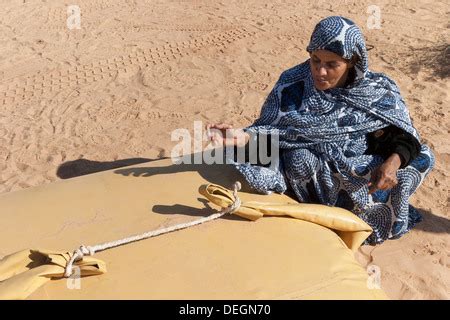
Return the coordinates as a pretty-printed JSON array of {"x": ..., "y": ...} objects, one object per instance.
[{"x": 321, "y": 71}]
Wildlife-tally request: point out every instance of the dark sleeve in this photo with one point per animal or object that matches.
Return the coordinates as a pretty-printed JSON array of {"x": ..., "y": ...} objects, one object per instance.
[{"x": 391, "y": 140}]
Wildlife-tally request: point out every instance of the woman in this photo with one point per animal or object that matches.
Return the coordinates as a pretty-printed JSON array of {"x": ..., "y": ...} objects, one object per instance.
[{"x": 345, "y": 135}]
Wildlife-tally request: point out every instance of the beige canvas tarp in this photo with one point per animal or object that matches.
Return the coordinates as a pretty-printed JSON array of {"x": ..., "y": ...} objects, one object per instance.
[{"x": 274, "y": 257}]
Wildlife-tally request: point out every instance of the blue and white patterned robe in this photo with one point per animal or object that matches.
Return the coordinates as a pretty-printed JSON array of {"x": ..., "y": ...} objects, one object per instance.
[{"x": 323, "y": 140}]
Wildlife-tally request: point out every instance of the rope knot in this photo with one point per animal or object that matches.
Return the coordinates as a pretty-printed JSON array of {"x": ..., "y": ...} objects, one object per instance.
[
  {"x": 83, "y": 251},
  {"x": 78, "y": 254},
  {"x": 237, "y": 201},
  {"x": 87, "y": 250},
  {"x": 237, "y": 186}
]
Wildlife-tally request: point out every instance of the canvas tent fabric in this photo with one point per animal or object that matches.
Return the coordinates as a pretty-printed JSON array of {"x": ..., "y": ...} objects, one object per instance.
[{"x": 231, "y": 258}]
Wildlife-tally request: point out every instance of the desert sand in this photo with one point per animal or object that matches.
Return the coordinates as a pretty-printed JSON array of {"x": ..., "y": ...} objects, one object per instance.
[{"x": 75, "y": 101}]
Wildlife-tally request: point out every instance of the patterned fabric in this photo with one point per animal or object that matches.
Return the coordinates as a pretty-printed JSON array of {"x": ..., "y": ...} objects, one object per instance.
[{"x": 323, "y": 138}]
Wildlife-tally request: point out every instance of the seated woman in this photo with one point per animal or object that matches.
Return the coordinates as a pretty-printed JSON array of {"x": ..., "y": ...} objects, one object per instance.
[{"x": 345, "y": 135}]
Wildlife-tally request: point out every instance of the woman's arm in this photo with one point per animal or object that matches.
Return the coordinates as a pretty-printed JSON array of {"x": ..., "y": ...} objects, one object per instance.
[{"x": 391, "y": 140}]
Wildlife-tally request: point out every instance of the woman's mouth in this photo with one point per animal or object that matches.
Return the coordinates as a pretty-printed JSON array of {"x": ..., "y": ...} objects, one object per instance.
[{"x": 321, "y": 81}]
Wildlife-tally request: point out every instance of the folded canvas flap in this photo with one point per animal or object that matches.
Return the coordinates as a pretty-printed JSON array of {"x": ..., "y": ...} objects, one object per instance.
[
  {"x": 23, "y": 272},
  {"x": 347, "y": 225}
]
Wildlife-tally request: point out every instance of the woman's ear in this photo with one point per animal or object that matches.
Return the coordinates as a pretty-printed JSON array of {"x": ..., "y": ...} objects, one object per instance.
[{"x": 352, "y": 61}]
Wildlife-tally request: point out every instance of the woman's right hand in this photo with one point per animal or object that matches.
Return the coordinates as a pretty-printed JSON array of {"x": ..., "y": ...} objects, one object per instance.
[{"x": 223, "y": 134}]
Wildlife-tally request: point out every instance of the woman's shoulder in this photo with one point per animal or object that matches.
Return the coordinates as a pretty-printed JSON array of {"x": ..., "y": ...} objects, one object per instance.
[
  {"x": 381, "y": 77},
  {"x": 295, "y": 73}
]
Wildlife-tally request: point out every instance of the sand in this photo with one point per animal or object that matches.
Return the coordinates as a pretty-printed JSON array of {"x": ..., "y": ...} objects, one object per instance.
[{"x": 109, "y": 94}]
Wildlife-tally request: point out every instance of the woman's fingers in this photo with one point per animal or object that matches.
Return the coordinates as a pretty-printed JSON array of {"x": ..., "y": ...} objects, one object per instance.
[
  {"x": 218, "y": 137},
  {"x": 225, "y": 134},
  {"x": 372, "y": 187},
  {"x": 374, "y": 181},
  {"x": 384, "y": 182},
  {"x": 383, "y": 177},
  {"x": 219, "y": 126},
  {"x": 388, "y": 179}
]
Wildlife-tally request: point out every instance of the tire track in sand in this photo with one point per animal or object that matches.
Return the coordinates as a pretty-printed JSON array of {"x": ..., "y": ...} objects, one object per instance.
[{"x": 45, "y": 84}]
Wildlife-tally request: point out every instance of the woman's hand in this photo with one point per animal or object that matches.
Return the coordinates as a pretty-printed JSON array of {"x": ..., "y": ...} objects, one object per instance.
[
  {"x": 225, "y": 135},
  {"x": 385, "y": 176}
]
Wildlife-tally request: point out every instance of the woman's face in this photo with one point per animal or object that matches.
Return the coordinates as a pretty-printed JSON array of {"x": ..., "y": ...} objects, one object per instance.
[{"x": 328, "y": 69}]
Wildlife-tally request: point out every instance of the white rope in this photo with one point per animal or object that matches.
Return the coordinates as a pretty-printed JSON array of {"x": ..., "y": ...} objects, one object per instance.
[{"x": 91, "y": 250}]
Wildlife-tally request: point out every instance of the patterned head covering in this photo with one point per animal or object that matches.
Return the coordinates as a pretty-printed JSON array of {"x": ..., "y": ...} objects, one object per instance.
[{"x": 343, "y": 37}]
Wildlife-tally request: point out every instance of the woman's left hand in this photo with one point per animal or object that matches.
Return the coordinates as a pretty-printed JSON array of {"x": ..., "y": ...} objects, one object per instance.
[{"x": 385, "y": 176}]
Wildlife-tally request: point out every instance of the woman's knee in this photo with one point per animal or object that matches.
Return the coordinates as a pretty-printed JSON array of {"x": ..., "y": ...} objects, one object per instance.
[{"x": 301, "y": 162}]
